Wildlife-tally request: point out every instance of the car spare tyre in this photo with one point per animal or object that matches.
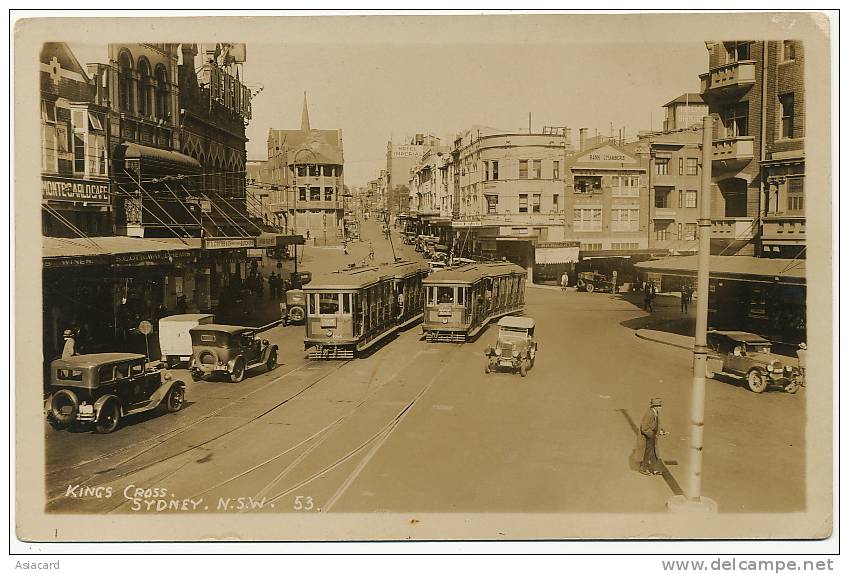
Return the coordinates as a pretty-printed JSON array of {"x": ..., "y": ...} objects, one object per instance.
[
  {"x": 64, "y": 406},
  {"x": 296, "y": 314}
]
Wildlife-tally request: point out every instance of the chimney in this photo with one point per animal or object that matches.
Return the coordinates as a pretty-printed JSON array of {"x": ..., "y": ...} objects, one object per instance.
[{"x": 582, "y": 139}]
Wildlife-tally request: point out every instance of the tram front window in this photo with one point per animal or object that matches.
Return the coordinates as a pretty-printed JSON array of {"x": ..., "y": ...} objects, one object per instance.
[
  {"x": 328, "y": 303},
  {"x": 445, "y": 295}
]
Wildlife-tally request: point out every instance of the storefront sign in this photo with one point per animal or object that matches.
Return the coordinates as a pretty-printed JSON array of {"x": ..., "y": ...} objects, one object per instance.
[
  {"x": 407, "y": 151},
  {"x": 266, "y": 240},
  {"x": 74, "y": 261},
  {"x": 256, "y": 253},
  {"x": 154, "y": 256},
  {"x": 70, "y": 189},
  {"x": 228, "y": 242}
]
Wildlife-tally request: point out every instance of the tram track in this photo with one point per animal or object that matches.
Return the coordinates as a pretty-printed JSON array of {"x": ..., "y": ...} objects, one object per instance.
[{"x": 176, "y": 432}]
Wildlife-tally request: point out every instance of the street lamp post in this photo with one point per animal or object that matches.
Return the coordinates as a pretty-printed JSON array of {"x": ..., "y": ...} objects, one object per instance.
[{"x": 692, "y": 499}]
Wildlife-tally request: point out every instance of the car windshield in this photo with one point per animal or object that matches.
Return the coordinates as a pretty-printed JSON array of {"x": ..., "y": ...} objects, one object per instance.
[
  {"x": 758, "y": 347},
  {"x": 512, "y": 333}
]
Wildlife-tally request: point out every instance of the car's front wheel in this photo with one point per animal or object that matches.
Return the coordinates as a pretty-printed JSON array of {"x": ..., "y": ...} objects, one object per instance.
[
  {"x": 590, "y": 287},
  {"x": 174, "y": 400},
  {"x": 109, "y": 417},
  {"x": 523, "y": 368},
  {"x": 238, "y": 372},
  {"x": 756, "y": 381}
]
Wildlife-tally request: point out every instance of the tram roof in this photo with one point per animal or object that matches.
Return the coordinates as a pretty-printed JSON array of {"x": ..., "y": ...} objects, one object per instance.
[
  {"x": 473, "y": 272},
  {"x": 363, "y": 276}
]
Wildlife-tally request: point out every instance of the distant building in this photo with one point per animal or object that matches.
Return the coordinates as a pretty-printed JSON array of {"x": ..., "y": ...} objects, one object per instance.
[
  {"x": 307, "y": 166},
  {"x": 401, "y": 158},
  {"x": 685, "y": 111},
  {"x": 260, "y": 193}
]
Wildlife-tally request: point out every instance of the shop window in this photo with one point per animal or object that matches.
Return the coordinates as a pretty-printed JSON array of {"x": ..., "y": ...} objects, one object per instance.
[
  {"x": 523, "y": 203},
  {"x": 537, "y": 169},
  {"x": 661, "y": 166},
  {"x": 787, "y": 105},
  {"x": 536, "y": 204},
  {"x": 523, "y": 169}
]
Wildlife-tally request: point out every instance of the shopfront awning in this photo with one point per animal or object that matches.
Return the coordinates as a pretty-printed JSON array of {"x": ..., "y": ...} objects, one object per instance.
[
  {"x": 732, "y": 267},
  {"x": 68, "y": 252},
  {"x": 159, "y": 157}
]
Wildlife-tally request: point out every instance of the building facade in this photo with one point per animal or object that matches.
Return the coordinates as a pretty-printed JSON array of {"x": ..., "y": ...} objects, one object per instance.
[
  {"x": 307, "y": 165},
  {"x": 684, "y": 112},
  {"x": 401, "y": 158},
  {"x": 755, "y": 94}
]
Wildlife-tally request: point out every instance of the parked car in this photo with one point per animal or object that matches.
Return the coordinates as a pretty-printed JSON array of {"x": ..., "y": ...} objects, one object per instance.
[
  {"x": 590, "y": 281},
  {"x": 175, "y": 342},
  {"x": 515, "y": 348},
  {"x": 230, "y": 350},
  {"x": 749, "y": 356},
  {"x": 103, "y": 388},
  {"x": 294, "y": 310}
]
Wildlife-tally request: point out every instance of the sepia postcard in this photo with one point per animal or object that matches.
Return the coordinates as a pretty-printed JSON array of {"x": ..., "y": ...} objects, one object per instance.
[{"x": 449, "y": 277}]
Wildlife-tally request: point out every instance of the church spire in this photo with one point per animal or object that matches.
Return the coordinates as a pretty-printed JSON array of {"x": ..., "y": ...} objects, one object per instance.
[{"x": 305, "y": 116}]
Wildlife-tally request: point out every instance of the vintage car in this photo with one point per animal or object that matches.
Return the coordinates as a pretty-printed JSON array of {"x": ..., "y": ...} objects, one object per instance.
[
  {"x": 103, "y": 388},
  {"x": 175, "y": 343},
  {"x": 749, "y": 356},
  {"x": 590, "y": 281},
  {"x": 515, "y": 347},
  {"x": 229, "y": 350},
  {"x": 293, "y": 311}
]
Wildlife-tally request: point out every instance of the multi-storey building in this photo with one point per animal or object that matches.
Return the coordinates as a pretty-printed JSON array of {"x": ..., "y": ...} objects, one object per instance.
[
  {"x": 431, "y": 197},
  {"x": 606, "y": 198},
  {"x": 755, "y": 94},
  {"x": 75, "y": 170},
  {"x": 685, "y": 111},
  {"x": 400, "y": 160},
  {"x": 307, "y": 165}
]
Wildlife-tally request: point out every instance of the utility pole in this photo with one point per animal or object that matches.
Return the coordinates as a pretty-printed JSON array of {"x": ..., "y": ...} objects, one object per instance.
[{"x": 692, "y": 501}]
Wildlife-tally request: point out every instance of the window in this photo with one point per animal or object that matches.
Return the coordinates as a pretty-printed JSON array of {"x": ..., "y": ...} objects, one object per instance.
[
  {"x": 690, "y": 230},
  {"x": 555, "y": 202},
  {"x": 738, "y": 51},
  {"x": 536, "y": 204},
  {"x": 106, "y": 373},
  {"x": 680, "y": 198},
  {"x": 625, "y": 219},
  {"x": 328, "y": 303},
  {"x": 519, "y": 230},
  {"x": 680, "y": 166},
  {"x": 537, "y": 168},
  {"x": 523, "y": 203},
  {"x": 89, "y": 143},
  {"x": 48, "y": 137},
  {"x": 788, "y": 51},
  {"x": 691, "y": 198},
  {"x": 146, "y": 89},
  {"x": 486, "y": 170},
  {"x": 795, "y": 195},
  {"x": 315, "y": 194},
  {"x": 445, "y": 295},
  {"x": 786, "y": 102},
  {"x": 587, "y": 183},
  {"x": 523, "y": 169},
  {"x": 625, "y": 246},
  {"x": 492, "y": 204},
  {"x": 302, "y": 193},
  {"x": 163, "y": 108},
  {"x": 692, "y": 166},
  {"x": 125, "y": 82},
  {"x": 328, "y": 194},
  {"x": 122, "y": 370},
  {"x": 736, "y": 120},
  {"x": 587, "y": 219},
  {"x": 680, "y": 232},
  {"x": 555, "y": 170},
  {"x": 590, "y": 246},
  {"x": 661, "y": 198},
  {"x": 661, "y": 166},
  {"x": 495, "y": 170},
  {"x": 302, "y": 170},
  {"x": 313, "y": 170},
  {"x": 661, "y": 231},
  {"x": 626, "y": 185}
]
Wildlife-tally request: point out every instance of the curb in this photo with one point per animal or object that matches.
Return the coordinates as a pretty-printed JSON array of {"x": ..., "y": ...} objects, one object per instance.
[{"x": 661, "y": 341}]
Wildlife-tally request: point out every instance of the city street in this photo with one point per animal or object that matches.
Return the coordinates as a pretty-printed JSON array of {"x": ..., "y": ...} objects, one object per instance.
[{"x": 419, "y": 427}]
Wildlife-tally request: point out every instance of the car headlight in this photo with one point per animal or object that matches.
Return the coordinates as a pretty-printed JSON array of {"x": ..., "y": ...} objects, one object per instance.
[
  {"x": 498, "y": 352},
  {"x": 788, "y": 369},
  {"x": 515, "y": 353},
  {"x": 769, "y": 367}
]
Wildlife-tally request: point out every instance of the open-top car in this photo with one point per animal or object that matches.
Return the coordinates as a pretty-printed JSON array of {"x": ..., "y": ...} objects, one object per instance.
[
  {"x": 229, "y": 350},
  {"x": 590, "y": 281},
  {"x": 103, "y": 388},
  {"x": 515, "y": 348},
  {"x": 749, "y": 356}
]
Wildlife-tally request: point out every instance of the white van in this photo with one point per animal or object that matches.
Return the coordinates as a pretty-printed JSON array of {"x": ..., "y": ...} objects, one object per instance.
[{"x": 175, "y": 343}]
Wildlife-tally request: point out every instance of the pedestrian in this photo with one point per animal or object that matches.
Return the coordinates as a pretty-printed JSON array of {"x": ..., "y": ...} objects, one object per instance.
[
  {"x": 647, "y": 297},
  {"x": 272, "y": 285},
  {"x": 685, "y": 297},
  {"x": 802, "y": 354},
  {"x": 70, "y": 347},
  {"x": 564, "y": 280},
  {"x": 370, "y": 251},
  {"x": 650, "y": 429}
]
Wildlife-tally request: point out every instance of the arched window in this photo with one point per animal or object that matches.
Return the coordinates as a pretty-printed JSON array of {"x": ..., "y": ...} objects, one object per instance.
[
  {"x": 162, "y": 107},
  {"x": 125, "y": 82},
  {"x": 145, "y": 88}
]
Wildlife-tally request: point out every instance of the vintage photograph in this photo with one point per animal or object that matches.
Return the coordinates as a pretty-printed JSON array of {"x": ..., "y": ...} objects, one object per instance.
[{"x": 424, "y": 277}]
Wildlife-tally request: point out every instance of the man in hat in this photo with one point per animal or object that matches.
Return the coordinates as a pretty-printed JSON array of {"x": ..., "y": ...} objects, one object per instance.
[
  {"x": 802, "y": 354},
  {"x": 649, "y": 431},
  {"x": 69, "y": 350}
]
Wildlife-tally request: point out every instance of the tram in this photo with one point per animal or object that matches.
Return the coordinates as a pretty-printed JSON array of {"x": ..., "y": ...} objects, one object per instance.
[
  {"x": 461, "y": 301},
  {"x": 350, "y": 310}
]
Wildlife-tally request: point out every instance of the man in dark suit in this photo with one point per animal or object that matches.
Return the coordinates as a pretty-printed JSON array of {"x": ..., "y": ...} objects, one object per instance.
[{"x": 649, "y": 431}]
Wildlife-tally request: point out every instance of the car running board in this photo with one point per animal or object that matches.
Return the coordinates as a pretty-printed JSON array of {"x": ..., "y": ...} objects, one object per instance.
[{"x": 255, "y": 365}]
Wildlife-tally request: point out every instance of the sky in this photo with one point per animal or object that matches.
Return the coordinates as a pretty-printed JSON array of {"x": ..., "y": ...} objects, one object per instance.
[{"x": 381, "y": 86}]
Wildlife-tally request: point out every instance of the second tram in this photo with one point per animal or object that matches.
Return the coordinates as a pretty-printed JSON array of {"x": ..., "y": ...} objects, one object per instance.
[
  {"x": 351, "y": 310},
  {"x": 461, "y": 301}
]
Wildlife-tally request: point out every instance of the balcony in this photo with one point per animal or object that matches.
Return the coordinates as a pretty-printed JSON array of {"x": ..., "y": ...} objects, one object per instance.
[
  {"x": 664, "y": 213},
  {"x": 511, "y": 218},
  {"x": 733, "y": 153},
  {"x": 733, "y": 228},
  {"x": 728, "y": 80},
  {"x": 780, "y": 228}
]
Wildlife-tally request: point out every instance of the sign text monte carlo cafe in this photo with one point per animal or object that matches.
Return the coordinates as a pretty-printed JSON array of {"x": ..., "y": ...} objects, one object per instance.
[{"x": 70, "y": 189}]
